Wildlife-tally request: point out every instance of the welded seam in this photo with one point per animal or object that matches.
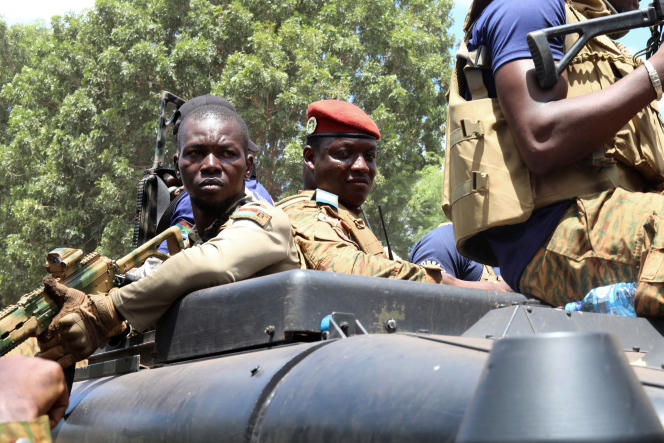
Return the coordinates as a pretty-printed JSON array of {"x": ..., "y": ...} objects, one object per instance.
[
  {"x": 265, "y": 399},
  {"x": 449, "y": 342},
  {"x": 509, "y": 323}
]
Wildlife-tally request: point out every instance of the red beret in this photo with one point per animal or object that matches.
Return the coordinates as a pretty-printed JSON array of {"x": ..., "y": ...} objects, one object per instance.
[{"x": 339, "y": 118}]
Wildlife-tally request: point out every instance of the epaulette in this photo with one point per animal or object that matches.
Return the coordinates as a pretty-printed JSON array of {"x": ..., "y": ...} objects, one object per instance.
[
  {"x": 327, "y": 198},
  {"x": 293, "y": 199},
  {"x": 254, "y": 213}
]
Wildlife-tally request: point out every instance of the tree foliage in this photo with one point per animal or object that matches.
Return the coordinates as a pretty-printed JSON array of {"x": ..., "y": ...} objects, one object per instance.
[{"x": 79, "y": 102}]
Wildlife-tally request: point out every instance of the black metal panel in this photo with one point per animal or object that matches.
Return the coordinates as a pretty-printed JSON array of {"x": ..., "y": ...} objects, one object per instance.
[
  {"x": 383, "y": 388},
  {"x": 388, "y": 387},
  {"x": 238, "y": 315},
  {"x": 206, "y": 400},
  {"x": 634, "y": 334}
]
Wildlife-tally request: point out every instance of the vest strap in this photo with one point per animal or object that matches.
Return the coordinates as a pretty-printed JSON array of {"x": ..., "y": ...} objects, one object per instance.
[
  {"x": 468, "y": 129},
  {"x": 478, "y": 182},
  {"x": 477, "y": 61}
]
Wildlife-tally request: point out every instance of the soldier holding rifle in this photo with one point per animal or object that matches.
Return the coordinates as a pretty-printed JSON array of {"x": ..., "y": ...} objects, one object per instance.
[
  {"x": 560, "y": 186},
  {"x": 234, "y": 238}
]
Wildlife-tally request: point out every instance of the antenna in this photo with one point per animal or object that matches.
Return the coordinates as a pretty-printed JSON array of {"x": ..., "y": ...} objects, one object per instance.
[{"x": 387, "y": 240}]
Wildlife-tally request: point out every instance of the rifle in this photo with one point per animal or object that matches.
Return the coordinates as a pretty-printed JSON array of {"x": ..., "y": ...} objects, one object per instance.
[
  {"x": 152, "y": 195},
  {"x": 92, "y": 274},
  {"x": 548, "y": 71}
]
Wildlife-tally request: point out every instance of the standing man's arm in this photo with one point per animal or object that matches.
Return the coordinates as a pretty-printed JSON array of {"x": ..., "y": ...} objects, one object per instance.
[{"x": 552, "y": 131}]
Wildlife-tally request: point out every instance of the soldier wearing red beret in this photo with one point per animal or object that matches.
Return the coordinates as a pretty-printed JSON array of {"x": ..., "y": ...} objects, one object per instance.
[{"x": 340, "y": 164}]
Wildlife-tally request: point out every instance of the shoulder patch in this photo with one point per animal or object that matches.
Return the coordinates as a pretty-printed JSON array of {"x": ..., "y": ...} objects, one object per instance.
[{"x": 253, "y": 213}]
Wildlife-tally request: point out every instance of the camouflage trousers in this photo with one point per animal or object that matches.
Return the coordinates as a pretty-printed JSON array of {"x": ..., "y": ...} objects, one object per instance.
[{"x": 605, "y": 238}]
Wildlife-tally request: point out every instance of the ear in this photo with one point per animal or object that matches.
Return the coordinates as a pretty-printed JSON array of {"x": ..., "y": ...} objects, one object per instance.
[
  {"x": 309, "y": 155},
  {"x": 250, "y": 163},
  {"x": 176, "y": 157}
]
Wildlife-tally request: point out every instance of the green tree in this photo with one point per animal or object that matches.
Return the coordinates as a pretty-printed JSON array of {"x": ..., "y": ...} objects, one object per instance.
[
  {"x": 81, "y": 110},
  {"x": 423, "y": 210}
]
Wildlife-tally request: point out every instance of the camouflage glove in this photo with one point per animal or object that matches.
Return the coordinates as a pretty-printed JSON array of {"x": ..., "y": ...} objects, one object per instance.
[{"x": 84, "y": 323}]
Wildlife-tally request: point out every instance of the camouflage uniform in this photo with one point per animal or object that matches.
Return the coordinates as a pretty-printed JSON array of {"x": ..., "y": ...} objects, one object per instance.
[
  {"x": 335, "y": 239},
  {"x": 29, "y": 348},
  {"x": 614, "y": 236},
  {"x": 36, "y": 431},
  {"x": 250, "y": 239}
]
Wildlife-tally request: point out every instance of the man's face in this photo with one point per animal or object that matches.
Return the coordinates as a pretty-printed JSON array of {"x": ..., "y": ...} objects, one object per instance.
[
  {"x": 625, "y": 5},
  {"x": 212, "y": 162},
  {"x": 346, "y": 167}
]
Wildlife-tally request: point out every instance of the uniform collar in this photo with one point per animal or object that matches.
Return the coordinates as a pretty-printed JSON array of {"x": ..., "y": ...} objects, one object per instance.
[{"x": 214, "y": 228}]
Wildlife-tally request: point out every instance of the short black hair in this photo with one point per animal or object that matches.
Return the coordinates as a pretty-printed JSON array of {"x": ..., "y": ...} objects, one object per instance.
[{"x": 218, "y": 112}]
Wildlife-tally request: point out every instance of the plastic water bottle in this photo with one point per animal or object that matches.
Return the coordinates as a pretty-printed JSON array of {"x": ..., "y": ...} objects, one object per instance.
[{"x": 616, "y": 299}]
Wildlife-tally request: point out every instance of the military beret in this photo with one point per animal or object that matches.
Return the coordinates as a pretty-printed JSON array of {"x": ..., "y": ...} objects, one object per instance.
[
  {"x": 339, "y": 118},
  {"x": 197, "y": 102}
]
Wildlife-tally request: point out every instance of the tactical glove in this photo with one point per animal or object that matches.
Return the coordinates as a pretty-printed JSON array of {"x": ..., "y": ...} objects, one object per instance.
[{"x": 84, "y": 323}]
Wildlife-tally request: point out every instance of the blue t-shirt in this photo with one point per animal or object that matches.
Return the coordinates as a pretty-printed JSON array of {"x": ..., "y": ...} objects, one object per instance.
[
  {"x": 258, "y": 191},
  {"x": 502, "y": 28},
  {"x": 438, "y": 248},
  {"x": 183, "y": 215}
]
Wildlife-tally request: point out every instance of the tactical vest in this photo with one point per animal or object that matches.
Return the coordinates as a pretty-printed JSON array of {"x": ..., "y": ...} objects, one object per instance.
[
  {"x": 360, "y": 232},
  {"x": 486, "y": 183}
]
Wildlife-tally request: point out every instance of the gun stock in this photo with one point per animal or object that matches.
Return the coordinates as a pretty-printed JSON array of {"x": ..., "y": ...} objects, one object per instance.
[{"x": 92, "y": 274}]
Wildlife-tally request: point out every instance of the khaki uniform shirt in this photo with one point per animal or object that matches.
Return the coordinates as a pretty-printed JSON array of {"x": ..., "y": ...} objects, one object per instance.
[
  {"x": 338, "y": 240},
  {"x": 36, "y": 431},
  {"x": 256, "y": 240}
]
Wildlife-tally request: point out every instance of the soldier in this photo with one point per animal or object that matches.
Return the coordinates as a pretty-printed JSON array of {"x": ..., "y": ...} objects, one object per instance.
[
  {"x": 180, "y": 213},
  {"x": 234, "y": 238},
  {"x": 556, "y": 186},
  {"x": 33, "y": 398},
  {"x": 340, "y": 162}
]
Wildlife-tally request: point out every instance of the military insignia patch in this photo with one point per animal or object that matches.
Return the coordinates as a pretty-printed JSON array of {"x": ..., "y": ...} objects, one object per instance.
[
  {"x": 185, "y": 227},
  {"x": 256, "y": 215},
  {"x": 311, "y": 125}
]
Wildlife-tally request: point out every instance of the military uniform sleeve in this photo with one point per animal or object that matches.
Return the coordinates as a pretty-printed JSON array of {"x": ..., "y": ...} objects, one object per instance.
[
  {"x": 242, "y": 249},
  {"x": 37, "y": 431},
  {"x": 330, "y": 249}
]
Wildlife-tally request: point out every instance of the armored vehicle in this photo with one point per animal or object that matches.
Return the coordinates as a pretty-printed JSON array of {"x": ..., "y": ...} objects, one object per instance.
[{"x": 318, "y": 356}]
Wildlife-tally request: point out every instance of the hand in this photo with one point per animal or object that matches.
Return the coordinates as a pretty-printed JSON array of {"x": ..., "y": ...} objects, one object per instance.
[
  {"x": 83, "y": 324},
  {"x": 493, "y": 285},
  {"x": 31, "y": 387},
  {"x": 499, "y": 286}
]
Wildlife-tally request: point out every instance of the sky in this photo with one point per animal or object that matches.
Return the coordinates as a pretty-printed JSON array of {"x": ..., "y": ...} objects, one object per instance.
[{"x": 34, "y": 11}]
